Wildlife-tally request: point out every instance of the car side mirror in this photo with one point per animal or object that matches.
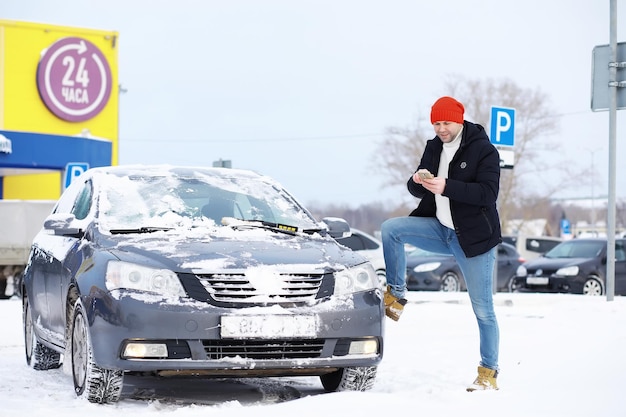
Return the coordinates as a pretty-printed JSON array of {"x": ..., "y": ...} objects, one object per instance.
[
  {"x": 337, "y": 227},
  {"x": 61, "y": 224}
]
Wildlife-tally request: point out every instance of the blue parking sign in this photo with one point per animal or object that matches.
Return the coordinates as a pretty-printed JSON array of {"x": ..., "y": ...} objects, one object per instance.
[
  {"x": 73, "y": 170},
  {"x": 502, "y": 126}
]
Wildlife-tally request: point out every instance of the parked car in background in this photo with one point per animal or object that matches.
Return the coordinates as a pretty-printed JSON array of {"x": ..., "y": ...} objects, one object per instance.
[
  {"x": 531, "y": 247},
  {"x": 368, "y": 246},
  {"x": 509, "y": 260},
  {"x": 575, "y": 266},
  {"x": 428, "y": 271},
  {"x": 177, "y": 271}
]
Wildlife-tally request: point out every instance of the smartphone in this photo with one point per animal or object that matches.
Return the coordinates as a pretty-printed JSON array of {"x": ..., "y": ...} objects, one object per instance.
[{"x": 424, "y": 174}]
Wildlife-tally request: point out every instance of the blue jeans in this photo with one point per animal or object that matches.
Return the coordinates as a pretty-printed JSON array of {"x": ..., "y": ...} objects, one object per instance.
[{"x": 428, "y": 234}]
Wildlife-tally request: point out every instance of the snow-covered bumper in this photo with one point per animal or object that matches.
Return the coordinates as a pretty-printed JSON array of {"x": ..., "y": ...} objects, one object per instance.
[{"x": 131, "y": 334}]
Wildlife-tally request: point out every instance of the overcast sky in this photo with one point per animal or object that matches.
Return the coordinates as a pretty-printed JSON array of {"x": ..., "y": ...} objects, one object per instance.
[{"x": 304, "y": 90}]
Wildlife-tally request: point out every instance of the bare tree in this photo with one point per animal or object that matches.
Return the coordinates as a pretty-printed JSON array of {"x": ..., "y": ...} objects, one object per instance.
[{"x": 398, "y": 154}]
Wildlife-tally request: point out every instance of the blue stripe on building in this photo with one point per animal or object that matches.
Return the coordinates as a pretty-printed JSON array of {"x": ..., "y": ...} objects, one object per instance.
[
  {"x": 25, "y": 150},
  {"x": 36, "y": 150}
]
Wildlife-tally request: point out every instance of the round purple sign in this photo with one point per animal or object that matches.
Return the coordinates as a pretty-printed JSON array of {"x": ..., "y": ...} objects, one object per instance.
[{"x": 74, "y": 79}]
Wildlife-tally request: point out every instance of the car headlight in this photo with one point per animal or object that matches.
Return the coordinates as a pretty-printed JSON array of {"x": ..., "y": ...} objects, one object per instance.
[
  {"x": 124, "y": 275},
  {"x": 358, "y": 278},
  {"x": 428, "y": 266},
  {"x": 521, "y": 271},
  {"x": 568, "y": 271}
]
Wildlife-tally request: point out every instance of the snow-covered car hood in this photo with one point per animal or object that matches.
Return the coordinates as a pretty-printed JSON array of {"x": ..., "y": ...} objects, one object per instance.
[{"x": 210, "y": 250}]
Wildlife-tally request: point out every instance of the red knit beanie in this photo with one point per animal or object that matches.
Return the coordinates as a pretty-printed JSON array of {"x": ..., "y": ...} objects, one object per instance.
[{"x": 447, "y": 109}]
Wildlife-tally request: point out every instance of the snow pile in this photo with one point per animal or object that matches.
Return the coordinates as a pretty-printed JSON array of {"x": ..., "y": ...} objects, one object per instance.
[{"x": 561, "y": 355}]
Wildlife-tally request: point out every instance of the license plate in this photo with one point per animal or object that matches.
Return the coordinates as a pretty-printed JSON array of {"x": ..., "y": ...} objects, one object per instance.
[
  {"x": 537, "y": 280},
  {"x": 268, "y": 327}
]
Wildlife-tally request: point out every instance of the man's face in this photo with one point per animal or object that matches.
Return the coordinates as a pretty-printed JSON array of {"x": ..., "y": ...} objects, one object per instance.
[{"x": 447, "y": 131}]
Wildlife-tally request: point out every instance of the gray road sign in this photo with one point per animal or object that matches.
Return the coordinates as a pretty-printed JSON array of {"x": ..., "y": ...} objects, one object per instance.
[{"x": 600, "y": 77}]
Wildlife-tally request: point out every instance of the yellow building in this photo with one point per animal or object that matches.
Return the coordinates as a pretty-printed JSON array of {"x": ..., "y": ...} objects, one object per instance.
[{"x": 58, "y": 106}]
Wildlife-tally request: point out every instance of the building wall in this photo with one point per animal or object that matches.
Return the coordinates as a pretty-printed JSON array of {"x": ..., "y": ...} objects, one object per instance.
[{"x": 27, "y": 51}]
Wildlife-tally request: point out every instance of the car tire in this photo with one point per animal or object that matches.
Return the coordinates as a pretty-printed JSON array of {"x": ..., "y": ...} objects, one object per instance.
[
  {"x": 593, "y": 286},
  {"x": 3, "y": 288},
  {"x": 38, "y": 355},
  {"x": 350, "y": 379},
  {"x": 18, "y": 279},
  {"x": 382, "y": 276},
  {"x": 450, "y": 282},
  {"x": 510, "y": 285},
  {"x": 98, "y": 384}
]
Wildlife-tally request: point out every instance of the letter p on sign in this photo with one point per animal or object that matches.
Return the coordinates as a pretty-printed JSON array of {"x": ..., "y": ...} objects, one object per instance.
[
  {"x": 73, "y": 170},
  {"x": 502, "y": 126}
]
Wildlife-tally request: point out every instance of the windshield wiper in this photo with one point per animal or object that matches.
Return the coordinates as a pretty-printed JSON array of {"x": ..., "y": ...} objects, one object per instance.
[
  {"x": 276, "y": 227},
  {"x": 145, "y": 229}
]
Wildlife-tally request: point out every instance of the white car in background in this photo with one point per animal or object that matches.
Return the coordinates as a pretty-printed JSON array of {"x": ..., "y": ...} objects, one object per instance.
[
  {"x": 368, "y": 246},
  {"x": 532, "y": 247}
]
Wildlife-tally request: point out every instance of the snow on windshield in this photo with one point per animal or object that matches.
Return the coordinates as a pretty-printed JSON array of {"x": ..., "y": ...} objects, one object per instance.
[{"x": 165, "y": 199}]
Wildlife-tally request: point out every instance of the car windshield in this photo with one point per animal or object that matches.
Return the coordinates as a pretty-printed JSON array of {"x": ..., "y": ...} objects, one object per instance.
[
  {"x": 576, "y": 249},
  {"x": 167, "y": 199}
]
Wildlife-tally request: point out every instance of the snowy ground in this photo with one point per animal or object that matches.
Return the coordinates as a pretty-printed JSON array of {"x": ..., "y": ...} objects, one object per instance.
[{"x": 561, "y": 355}]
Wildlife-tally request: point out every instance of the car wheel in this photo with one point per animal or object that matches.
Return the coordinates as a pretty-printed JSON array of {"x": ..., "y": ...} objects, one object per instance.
[
  {"x": 18, "y": 278},
  {"x": 350, "y": 379},
  {"x": 510, "y": 285},
  {"x": 4, "y": 283},
  {"x": 98, "y": 384},
  {"x": 38, "y": 355},
  {"x": 593, "y": 287},
  {"x": 382, "y": 276},
  {"x": 450, "y": 282}
]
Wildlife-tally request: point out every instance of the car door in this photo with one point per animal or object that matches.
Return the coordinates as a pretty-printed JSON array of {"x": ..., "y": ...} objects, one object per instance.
[
  {"x": 620, "y": 267},
  {"x": 507, "y": 261},
  {"x": 51, "y": 273}
]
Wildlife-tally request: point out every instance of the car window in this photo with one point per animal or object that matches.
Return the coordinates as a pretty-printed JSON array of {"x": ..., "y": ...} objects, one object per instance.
[
  {"x": 365, "y": 241},
  {"x": 67, "y": 201},
  {"x": 83, "y": 202},
  {"x": 358, "y": 241},
  {"x": 540, "y": 245},
  {"x": 620, "y": 253},
  {"x": 503, "y": 251},
  {"x": 576, "y": 249},
  {"x": 511, "y": 240},
  {"x": 354, "y": 242}
]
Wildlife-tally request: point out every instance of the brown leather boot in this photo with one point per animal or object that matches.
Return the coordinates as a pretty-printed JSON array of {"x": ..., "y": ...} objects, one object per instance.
[
  {"x": 394, "y": 306},
  {"x": 485, "y": 380}
]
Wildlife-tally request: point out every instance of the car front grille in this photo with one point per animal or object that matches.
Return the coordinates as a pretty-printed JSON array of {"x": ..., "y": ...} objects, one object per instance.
[
  {"x": 263, "y": 349},
  {"x": 276, "y": 288},
  {"x": 543, "y": 272}
]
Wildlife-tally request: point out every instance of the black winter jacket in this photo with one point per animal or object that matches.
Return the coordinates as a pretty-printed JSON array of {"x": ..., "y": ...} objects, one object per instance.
[{"x": 472, "y": 186}]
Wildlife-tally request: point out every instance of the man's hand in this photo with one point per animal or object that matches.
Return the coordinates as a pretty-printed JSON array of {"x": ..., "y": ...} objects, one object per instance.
[{"x": 435, "y": 185}]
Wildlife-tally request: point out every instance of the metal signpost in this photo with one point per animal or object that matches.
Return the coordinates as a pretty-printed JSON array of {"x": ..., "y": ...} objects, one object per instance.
[
  {"x": 609, "y": 89},
  {"x": 503, "y": 137}
]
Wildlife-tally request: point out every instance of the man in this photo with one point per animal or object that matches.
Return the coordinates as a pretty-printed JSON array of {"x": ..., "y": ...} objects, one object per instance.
[{"x": 457, "y": 182}]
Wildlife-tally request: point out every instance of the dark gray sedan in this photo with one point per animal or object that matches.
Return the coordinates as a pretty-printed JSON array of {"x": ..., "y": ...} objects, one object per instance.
[
  {"x": 428, "y": 271},
  {"x": 576, "y": 266},
  {"x": 196, "y": 271}
]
